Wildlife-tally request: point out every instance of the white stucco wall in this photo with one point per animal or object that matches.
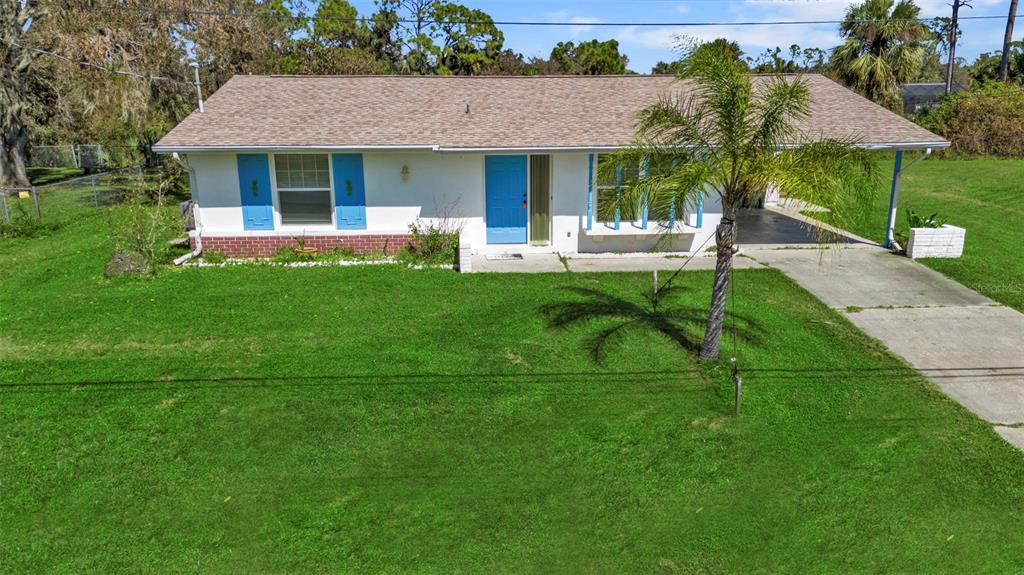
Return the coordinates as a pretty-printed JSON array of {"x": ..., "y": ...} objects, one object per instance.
[
  {"x": 435, "y": 183},
  {"x": 217, "y": 191}
]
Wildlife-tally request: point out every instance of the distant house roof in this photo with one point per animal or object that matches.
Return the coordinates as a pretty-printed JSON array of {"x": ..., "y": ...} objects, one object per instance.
[
  {"x": 926, "y": 89},
  {"x": 918, "y": 95},
  {"x": 456, "y": 113}
]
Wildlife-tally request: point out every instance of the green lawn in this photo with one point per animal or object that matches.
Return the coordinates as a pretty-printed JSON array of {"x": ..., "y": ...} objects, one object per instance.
[
  {"x": 40, "y": 175},
  {"x": 62, "y": 202},
  {"x": 378, "y": 419},
  {"x": 985, "y": 196}
]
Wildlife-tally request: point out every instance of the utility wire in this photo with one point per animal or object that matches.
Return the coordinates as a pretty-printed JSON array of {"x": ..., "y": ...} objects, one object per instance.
[
  {"x": 370, "y": 20},
  {"x": 129, "y": 73}
]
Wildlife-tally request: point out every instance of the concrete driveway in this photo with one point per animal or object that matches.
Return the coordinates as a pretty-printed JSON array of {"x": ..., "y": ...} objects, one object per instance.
[{"x": 968, "y": 345}]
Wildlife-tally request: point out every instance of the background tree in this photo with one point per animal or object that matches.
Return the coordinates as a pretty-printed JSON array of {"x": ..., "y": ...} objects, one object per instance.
[
  {"x": 589, "y": 58},
  {"x": 689, "y": 47},
  {"x": 257, "y": 42},
  {"x": 674, "y": 68},
  {"x": 335, "y": 24},
  {"x": 464, "y": 40},
  {"x": 795, "y": 60},
  {"x": 149, "y": 49},
  {"x": 338, "y": 43},
  {"x": 738, "y": 139},
  {"x": 986, "y": 66},
  {"x": 882, "y": 49},
  {"x": 16, "y": 16}
]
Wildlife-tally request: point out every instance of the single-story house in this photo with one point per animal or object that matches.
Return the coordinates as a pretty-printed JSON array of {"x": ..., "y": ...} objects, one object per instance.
[
  {"x": 355, "y": 160},
  {"x": 920, "y": 95}
]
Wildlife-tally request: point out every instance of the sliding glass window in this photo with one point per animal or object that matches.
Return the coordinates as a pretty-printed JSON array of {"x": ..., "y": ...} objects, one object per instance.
[{"x": 303, "y": 188}]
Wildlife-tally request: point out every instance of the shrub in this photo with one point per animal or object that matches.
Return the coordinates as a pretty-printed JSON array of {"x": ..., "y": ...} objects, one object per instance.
[
  {"x": 987, "y": 119},
  {"x": 143, "y": 224},
  {"x": 214, "y": 257},
  {"x": 432, "y": 243},
  {"x": 287, "y": 255},
  {"x": 23, "y": 222},
  {"x": 916, "y": 220}
]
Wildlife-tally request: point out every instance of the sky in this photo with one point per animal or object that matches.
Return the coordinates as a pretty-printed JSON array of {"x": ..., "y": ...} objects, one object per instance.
[{"x": 646, "y": 45}]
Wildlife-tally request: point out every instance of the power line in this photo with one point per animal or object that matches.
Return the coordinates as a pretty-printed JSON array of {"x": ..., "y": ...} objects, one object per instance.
[
  {"x": 129, "y": 73},
  {"x": 370, "y": 20}
]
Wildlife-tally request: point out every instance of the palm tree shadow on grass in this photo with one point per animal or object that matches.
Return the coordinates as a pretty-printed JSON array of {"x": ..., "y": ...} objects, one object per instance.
[{"x": 682, "y": 324}]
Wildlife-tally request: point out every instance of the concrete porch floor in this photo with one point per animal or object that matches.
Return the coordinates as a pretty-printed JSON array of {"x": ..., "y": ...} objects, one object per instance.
[{"x": 769, "y": 228}]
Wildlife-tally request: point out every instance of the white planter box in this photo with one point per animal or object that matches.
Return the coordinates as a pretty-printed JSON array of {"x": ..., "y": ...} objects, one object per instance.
[{"x": 944, "y": 242}]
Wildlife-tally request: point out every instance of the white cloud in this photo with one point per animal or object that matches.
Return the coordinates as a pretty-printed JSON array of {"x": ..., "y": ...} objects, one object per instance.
[
  {"x": 577, "y": 30},
  {"x": 749, "y": 37},
  {"x": 581, "y": 21},
  {"x": 660, "y": 42},
  {"x": 753, "y": 38}
]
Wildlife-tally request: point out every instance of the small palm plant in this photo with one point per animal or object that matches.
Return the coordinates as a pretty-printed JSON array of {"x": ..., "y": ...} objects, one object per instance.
[{"x": 733, "y": 135}]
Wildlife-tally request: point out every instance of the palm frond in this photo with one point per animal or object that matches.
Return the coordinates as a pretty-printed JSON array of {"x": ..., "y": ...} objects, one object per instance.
[{"x": 837, "y": 175}]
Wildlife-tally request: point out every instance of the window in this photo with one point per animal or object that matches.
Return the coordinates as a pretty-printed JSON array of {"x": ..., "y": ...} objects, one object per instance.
[
  {"x": 606, "y": 196},
  {"x": 303, "y": 188}
]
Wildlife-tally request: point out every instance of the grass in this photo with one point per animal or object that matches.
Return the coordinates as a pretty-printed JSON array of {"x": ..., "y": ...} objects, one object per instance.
[
  {"x": 379, "y": 419},
  {"x": 63, "y": 202},
  {"x": 40, "y": 176},
  {"x": 985, "y": 196}
]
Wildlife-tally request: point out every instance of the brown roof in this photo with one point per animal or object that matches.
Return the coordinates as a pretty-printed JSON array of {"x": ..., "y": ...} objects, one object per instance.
[{"x": 504, "y": 112}]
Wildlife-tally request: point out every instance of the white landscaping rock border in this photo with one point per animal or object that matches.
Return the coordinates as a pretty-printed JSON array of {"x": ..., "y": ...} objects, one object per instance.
[
  {"x": 944, "y": 242},
  {"x": 313, "y": 264}
]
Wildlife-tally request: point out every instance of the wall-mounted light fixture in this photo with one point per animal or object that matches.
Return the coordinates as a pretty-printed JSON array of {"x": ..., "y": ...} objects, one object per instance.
[{"x": 405, "y": 172}]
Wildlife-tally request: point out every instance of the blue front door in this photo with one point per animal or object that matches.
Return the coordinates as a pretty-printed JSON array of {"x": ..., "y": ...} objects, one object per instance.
[
  {"x": 349, "y": 191},
  {"x": 254, "y": 185},
  {"x": 505, "y": 184}
]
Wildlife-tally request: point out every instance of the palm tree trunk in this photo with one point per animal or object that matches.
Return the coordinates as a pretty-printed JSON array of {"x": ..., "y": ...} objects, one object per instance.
[
  {"x": 725, "y": 240},
  {"x": 1004, "y": 62}
]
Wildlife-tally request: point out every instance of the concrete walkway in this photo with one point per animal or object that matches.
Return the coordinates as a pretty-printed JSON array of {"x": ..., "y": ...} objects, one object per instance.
[
  {"x": 968, "y": 345},
  {"x": 548, "y": 263}
]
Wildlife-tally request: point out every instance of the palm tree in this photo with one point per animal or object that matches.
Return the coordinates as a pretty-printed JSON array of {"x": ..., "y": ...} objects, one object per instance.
[
  {"x": 883, "y": 49},
  {"x": 733, "y": 138}
]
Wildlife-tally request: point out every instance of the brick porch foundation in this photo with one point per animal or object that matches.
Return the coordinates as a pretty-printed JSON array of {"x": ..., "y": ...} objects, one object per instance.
[{"x": 266, "y": 246}]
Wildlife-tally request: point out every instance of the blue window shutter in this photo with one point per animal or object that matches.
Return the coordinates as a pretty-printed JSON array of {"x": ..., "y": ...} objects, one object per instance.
[
  {"x": 349, "y": 191},
  {"x": 254, "y": 185}
]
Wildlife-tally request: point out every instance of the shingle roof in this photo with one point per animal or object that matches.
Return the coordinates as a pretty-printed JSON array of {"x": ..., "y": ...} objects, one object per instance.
[{"x": 504, "y": 112}]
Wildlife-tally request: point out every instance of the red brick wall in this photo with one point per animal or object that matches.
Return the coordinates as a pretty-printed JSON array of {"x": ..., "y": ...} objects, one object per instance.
[{"x": 266, "y": 246}]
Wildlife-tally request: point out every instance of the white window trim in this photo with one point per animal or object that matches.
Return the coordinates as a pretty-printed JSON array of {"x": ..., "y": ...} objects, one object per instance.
[
  {"x": 276, "y": 194},
  {"x": 624, "y": 224}
]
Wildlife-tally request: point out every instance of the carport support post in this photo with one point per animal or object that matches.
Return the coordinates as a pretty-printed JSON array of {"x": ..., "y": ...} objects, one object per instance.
[
  {"x": 618, "y": 195},
  {"x": 894, "y": 197},
  {"x": 644, "y": 167},
  {"x": 590, "y": 192}
]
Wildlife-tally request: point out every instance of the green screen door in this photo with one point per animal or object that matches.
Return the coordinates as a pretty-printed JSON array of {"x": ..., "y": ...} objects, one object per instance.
[{"x": 540, "y": 199}]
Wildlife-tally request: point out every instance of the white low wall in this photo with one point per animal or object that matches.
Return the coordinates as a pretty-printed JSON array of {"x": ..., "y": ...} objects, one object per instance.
[
  {"x": 402, "y": 187},
  {"x": 944, "y": 242}
]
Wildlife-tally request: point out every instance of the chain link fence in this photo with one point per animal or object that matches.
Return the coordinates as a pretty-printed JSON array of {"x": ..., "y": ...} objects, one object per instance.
[
  {"x": 25, "y": 211},
  {"x": 89, "y": 157}
]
